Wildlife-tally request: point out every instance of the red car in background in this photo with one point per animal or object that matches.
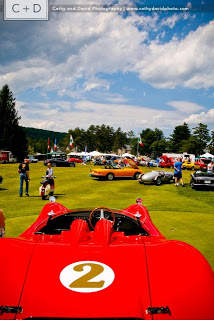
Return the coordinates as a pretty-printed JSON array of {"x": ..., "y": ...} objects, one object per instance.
[
  {"x": 102, "y": 264},
  {"x": 166, "y": 162},
  {"x": 77, "y": 160},
  {"x": 202, "y": 163}
]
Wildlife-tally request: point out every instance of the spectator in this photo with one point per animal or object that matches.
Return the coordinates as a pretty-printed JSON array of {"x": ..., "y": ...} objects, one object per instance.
[
  {"x": 178, "y": 173},
  {"x": 210, "y": 166},
  {"x": 2, "y": 224},
  {"x": 23, "y": 171}
]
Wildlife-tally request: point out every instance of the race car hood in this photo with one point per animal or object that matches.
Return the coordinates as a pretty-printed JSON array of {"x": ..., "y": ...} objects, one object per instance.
[
  {"x": 104, "y": 274},
  {"x": 90, "y": 277}
]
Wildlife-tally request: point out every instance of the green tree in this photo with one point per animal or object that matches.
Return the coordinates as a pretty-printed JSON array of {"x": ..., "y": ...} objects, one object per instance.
[
  {"x": 201, "y": 133},
  {"x": 211, "y": 145},
  {"x": 12, "y": 137},
  {"x": 180, "y": 133},
  {"x": 120, "y": 140},
  {"x": 152, "y": 140}
]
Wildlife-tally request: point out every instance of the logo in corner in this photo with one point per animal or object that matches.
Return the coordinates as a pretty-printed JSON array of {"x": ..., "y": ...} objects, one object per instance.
[{"x": 25, "y": 9}]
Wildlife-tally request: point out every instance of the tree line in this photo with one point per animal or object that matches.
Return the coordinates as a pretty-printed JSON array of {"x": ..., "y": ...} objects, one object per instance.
[{"x": 22, "y": 141}]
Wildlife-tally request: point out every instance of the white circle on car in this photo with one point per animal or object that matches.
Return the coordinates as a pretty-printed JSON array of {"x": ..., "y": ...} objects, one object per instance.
[{"x": 87, "y": 276}]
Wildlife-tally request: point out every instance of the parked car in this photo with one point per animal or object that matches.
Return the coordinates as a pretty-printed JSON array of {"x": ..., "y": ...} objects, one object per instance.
[
  {"x": 102, "y": 263},
  {"x": 201, "y": 164},
  {"x": 190, "y": 165},
  {"x": 57, "y": 162},
  {"x": 157, "y": 177},
  {"x": 202, "y": 179},
  {"x": 113, "y": 170},
  {"x": 153, "y": 163},
  {"x": 77, "y": 160},
  {"x": 1, "y": 179},
  {"x": 166, "y": 162},
  {"x": 32, "y": 159}
]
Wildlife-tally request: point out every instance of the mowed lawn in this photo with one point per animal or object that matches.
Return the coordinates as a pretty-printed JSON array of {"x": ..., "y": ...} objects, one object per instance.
[{"x": 179, "y": 213}]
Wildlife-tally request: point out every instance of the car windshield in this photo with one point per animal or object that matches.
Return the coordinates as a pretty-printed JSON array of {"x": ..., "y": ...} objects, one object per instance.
[
  {"x": 204, "y": 174},
  {"x": 130, "y": 225}
]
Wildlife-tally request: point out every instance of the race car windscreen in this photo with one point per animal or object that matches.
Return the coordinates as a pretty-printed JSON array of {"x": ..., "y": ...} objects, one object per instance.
[{"x": 123, "y": 223}]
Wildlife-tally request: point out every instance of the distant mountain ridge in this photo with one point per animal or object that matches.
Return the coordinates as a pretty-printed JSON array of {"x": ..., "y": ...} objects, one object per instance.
[{"x": 37, "y": 134}]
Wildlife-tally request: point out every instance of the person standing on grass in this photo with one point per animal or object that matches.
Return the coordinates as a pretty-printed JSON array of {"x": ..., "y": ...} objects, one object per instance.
[
  {"x": 23, "y": 171},
  {"x": 210, "y": 166},
  {"x": 2, "y": 224},
  {"x": 178, "y": 172}
]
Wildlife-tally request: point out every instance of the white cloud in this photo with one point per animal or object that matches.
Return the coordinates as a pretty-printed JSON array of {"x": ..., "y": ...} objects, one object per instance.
[
  {"x": 203, "y": 117},
  {"x": 64, "y": 115},
  {"x": 187, "y": 62},
  {"x": 74, "y": 49},
  {"x": 185, "y": 106}
]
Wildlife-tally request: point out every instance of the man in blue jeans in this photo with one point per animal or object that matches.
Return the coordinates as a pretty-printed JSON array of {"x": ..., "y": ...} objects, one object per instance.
[{"x": 23, "y": 171}]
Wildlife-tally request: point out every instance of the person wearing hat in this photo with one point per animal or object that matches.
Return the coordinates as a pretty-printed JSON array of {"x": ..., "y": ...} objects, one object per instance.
[{"x": 23, "y": 171}]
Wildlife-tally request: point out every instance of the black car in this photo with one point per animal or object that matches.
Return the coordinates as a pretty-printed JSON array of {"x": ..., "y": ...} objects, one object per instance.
[
  {"x": 202, "y": 179},
  {"x": 59, "y": 162},
  {"x": 1, "y": 179}
]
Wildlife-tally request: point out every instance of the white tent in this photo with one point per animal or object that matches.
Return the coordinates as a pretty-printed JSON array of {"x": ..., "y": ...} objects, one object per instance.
[
  {"x": 207, "y": 155},
  {"x": 95, "y": 154},
  {"x": 128, "y": 155}
]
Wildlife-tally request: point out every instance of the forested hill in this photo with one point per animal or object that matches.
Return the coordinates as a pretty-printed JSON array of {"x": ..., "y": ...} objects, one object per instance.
[{"x": 37, "y": 134}]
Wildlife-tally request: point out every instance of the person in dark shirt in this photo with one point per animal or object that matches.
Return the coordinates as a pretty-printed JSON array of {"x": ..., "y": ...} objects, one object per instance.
[{"x": 23, "y": 171}]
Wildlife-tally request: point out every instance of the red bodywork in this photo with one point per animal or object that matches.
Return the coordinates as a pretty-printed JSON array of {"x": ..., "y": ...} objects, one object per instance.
[
  {"x": 75, "y": 160},
  {"x": 166, "y": 162},
  {"x": 201, "y": 164},
  {"x": 147, "y": 271}
]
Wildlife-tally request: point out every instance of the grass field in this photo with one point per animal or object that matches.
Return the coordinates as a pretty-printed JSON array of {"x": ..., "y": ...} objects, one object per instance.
[{"x": 179, "y": 213}]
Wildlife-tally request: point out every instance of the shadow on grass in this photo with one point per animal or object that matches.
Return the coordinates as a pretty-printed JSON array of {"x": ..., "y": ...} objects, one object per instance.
[
  {"x": 115, "y": 179},
  {"x": 3, "y": 189},
  {"x": 55, "y": 195}
]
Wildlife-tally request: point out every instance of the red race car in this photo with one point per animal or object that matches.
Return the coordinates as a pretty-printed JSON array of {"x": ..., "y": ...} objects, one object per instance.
[
  {"x": 77, "y": 160},
  {"x": 166, "y": 162},
  {"x": 102, "y": 264}
]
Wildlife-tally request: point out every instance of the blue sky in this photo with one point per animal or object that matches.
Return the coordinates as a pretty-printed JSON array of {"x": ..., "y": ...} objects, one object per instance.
[{"x": 131, "y": 70}]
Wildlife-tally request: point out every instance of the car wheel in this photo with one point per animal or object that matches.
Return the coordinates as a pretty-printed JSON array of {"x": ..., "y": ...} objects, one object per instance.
[
  {"x": 158, "y": 181},
  {"x": 110, "y": 176},
  {"x": 71, "y": 165},
  {"x": 193, "y": 168},
  {"x": 192, "y": 185},
  {"x": 53, "y": 164},
  {"x": 171, "y": 167},
  {"x": 184, "y": 168},
  {"x": 136, "y": 176}
]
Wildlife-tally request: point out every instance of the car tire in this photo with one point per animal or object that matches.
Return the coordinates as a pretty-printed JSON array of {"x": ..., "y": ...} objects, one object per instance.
[
  {"x": 192, "y": 185},
  {"x": 184, "y": 168},
  {"x": 71, "y": 164},
  {"x": 141, "y": 179},
  {"x": 53, "y": 164},
  {"x": 158, "y": 181},
  {"x": 171, "y": 167},
  {"x": 136, "y": 176},
  {"x": 110, "y": 176},
  {"x": 193, "y": 168}
]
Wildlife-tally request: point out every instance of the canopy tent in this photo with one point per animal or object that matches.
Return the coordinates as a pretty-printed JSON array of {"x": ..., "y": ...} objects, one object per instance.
[
  {"x": 95, "y": 154},
  {"x": 128, "y": 155},
  {"x": 207, "y": 155},
  {"x": 79, "y": 154}
]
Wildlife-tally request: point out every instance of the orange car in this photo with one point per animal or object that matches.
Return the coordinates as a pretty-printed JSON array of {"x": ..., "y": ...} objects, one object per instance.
[{"x": 115, "y": 171}]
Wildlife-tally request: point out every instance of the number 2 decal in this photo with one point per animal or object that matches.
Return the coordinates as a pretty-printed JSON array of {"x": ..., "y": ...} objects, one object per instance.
[
  {"x": 87, "y": 276},
  {"x": 83, "y": 282}
]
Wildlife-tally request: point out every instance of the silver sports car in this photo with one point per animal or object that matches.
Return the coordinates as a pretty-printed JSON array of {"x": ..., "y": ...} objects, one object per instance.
[{"x": 156, "y": 177}]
